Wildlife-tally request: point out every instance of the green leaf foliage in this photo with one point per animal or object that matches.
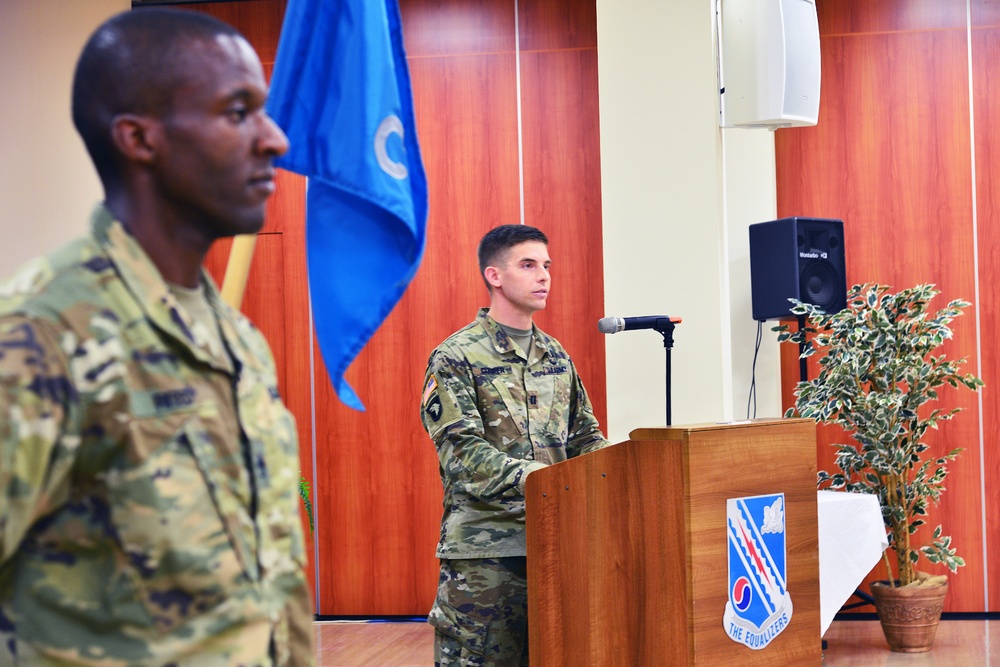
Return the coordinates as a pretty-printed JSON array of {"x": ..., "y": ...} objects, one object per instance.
[
  {"x": 880, "y": 367},
  {"x": 304, "y": 490}
]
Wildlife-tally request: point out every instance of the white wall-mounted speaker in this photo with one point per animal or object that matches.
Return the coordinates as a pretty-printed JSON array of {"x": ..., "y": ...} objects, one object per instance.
[{"x": 769, "y": 63}]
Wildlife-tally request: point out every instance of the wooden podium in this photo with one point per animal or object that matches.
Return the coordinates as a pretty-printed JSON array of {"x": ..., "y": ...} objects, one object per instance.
[{"x": 628, "y": 547}]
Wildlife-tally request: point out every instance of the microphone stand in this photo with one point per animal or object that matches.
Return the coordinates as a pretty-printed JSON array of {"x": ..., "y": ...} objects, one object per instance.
[{"x": 666, "y": 329}]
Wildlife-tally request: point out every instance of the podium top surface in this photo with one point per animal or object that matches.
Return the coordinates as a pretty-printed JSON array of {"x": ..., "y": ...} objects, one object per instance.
[{"x": 677, "y": 431}]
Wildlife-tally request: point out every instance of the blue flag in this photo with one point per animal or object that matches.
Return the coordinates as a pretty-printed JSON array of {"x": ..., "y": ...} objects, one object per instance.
[{"x": 341, "y": 92}]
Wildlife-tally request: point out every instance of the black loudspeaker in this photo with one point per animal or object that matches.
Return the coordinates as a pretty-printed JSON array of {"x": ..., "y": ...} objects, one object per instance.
[{"x": 797, "y": 258}]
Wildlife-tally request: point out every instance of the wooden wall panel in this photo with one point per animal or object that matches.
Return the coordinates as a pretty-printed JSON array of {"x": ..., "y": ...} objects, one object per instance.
[
  {"x": 453, "y": 27},
  {"x": 889, "y": 15},
  {"x": 258, "y": 20},
  {"x": 891, "y": 157},
  {"x": 558, "y": 24},
  {"x": 986, "y": 103},
  {"x": 985, "y": 14},
  {"x": 562, "y": 196},
  {"x": 562, "y": 173}
]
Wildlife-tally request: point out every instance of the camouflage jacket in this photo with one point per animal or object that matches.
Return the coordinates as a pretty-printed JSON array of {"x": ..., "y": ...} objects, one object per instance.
[
  {"x": 496, "y": 414},
  {"x": 132, "y": 531}
]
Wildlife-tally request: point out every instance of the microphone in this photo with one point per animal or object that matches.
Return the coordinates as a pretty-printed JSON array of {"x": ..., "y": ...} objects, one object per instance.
[{"x": 610, "y": 325}]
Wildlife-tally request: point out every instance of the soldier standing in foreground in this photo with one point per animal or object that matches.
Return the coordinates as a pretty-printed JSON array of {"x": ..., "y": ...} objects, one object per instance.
[
  {"x": 148, "y": 468},
  {"x": 501, "y": 399}
]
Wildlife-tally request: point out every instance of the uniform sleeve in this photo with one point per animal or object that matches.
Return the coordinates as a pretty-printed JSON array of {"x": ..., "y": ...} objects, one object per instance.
[
  {"x": 584, "y": 431},
  {"x": 35, "y": 398},
  {"x": 452, "y": 419}
]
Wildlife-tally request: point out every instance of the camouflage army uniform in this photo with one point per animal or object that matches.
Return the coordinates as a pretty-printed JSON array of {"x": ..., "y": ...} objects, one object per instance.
[
  {"x": 495, "y": 414},
  {"x": 132, "y": 530}
]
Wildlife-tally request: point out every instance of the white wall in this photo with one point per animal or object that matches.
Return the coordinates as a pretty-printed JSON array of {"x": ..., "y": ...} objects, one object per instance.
[
  {"x": 47, "y": 184},
  {"x": 678, "y": 196}
]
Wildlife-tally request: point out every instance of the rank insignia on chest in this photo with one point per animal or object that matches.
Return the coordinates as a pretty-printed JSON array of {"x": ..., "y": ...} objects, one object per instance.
[{"x": 532, "y": 399}]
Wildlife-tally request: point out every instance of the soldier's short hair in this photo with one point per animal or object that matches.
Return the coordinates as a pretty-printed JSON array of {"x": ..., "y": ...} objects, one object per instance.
[
  {"x": 134, "y": 63},
  {"x": 500, "y": 239}
]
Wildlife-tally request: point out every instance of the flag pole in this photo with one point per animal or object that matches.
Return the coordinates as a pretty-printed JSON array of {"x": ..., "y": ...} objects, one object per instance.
[{"x": 238, "y": 269}]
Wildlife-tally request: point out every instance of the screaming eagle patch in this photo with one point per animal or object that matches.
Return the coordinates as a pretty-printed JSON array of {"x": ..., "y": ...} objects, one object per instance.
[{"x": 431, "y": 401}]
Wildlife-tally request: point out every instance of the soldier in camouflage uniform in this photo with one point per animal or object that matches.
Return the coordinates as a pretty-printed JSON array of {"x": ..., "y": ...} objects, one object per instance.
[
  {"x": 501, "y": 399},
  {"x": 148, "y": 467}
]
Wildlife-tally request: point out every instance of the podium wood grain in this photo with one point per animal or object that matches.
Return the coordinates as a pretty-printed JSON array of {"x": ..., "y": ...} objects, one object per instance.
[{"x": 627, "y": 546}]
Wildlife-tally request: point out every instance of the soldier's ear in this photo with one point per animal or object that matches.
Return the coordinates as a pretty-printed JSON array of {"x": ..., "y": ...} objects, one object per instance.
[
  {"x": 136, "y": 137},
  {"x": 492, "y": 275}
]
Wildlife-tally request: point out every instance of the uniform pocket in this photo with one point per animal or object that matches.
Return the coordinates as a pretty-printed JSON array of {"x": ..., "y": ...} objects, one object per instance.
[
  {"x": 557, "y": 426},
  {"x": 468, "y": 632},
  {"x": 273, "y": 444},
  {"x": 181, "y": 558},
  {"x": 503, "y": 411}
]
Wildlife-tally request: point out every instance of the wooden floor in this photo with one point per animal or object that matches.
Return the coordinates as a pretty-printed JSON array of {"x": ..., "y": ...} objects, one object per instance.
[
  {"x": 849, "y": 644},
  {"x": 374, "y": 644}
]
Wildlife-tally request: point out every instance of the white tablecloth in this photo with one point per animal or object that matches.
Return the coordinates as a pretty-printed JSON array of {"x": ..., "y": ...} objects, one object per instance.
[{"x": 852, "y": 538}]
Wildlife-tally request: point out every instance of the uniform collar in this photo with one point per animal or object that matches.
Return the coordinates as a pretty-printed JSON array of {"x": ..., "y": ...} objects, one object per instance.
[
  {"x": 502, "y": 342},
  {"x": 151, "y": 293}
]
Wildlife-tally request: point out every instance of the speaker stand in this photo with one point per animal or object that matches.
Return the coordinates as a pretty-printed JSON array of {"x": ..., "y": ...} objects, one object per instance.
[{"x": 803, "y": 367}]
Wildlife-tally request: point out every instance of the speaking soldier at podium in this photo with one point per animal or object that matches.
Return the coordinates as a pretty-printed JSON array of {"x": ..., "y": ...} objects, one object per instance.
[
  {"x": 148, "y": 468},
  {"x": 501, "y": 399}
]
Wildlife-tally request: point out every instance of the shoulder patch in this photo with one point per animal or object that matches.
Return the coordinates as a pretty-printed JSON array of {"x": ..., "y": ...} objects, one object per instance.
[
  {"x": 431, "y": 402},
  {"x": 429, "y": 389},
  {"x": 433, "y": 408}
]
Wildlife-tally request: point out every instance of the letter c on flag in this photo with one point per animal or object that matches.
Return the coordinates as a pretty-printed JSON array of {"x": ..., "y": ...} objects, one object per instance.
[{"x": 389, "y": 125}]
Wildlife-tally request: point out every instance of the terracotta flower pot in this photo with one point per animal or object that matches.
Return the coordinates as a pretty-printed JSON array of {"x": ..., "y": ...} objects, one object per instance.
[{"x": 909, "y": 615}]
